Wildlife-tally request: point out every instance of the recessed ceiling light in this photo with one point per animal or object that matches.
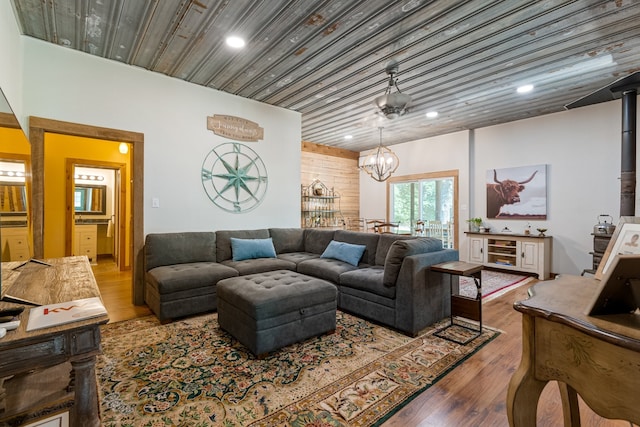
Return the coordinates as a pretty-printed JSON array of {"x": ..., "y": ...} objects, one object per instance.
[
  {"x": 235, "y": 42},
  {"x": 525, "y": 89},
  {"x": 432, "y": 114},
  {"x": 348, "y": 137}
]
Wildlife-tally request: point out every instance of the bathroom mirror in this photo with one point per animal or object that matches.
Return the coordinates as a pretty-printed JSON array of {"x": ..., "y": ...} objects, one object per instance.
[
  {"x": 13, "y": 198},
  {"x": 90, "y": 199}
]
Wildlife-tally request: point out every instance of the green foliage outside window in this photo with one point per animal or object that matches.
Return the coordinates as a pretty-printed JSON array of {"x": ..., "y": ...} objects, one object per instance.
[{"x": 427, "y": 200}]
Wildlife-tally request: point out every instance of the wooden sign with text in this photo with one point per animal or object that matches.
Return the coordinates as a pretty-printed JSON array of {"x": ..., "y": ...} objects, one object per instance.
[{"x": 235, "y": 127}]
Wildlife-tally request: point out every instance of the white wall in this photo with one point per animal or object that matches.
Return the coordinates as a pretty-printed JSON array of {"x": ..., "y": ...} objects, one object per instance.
[
  {"x": 66, "y": 85},
  {"x": 581, "y": 148},
  {"x": 11, "y": 63}
]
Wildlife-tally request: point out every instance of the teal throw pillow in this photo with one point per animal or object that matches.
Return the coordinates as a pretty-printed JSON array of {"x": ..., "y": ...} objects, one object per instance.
[
  {"x": 252, "y": 248},
  {"x": 346, "y": 252}
]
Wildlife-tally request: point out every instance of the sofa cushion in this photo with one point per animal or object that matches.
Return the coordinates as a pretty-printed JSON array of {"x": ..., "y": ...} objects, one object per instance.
[
  {"x": 298, "y": 257},
  {"x": 403, "y": 248},
  {"x": 180, "y": 277},
  {"x": 369, "y": 280},
  {"x": 384, "y": 243},
  {"x": 260, "y": 265},
  {"x": 316, "y": 240},
  {"x": 223, "y": 240},
  {"x": 287, "y": 240},
  {"x": 343, "y": 251},
  {"x": 179, "y": 248},
  {"x": 242, "y": 249},
  {"x": 370, "y": 240},
  {"x": 325, "y": 268}
]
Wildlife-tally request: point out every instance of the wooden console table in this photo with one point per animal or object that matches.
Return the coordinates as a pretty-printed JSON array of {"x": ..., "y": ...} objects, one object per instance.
[
  {"x": 463, "y": 306},
  {"x": 67, "y": 279},
  {"x": 597, "y": 357}
]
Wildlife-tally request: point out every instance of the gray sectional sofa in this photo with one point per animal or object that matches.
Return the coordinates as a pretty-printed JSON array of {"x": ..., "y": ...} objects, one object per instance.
[{"x": 391, "y": 284}]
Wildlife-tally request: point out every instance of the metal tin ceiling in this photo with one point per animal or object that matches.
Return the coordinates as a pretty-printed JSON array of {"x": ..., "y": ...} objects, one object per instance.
[{"x": 326, "y": 58}]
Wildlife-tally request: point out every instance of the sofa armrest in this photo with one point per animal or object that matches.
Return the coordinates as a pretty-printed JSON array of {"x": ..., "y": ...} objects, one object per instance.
[{"x": 423, "y": 297}]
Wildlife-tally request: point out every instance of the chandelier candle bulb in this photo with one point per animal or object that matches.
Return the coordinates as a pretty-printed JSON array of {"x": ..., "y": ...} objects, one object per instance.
[{"x": 381, "y": 162}]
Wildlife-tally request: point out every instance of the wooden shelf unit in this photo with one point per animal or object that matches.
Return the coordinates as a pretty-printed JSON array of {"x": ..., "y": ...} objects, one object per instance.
[
  {"x": 503, "y": 252},
  {"x": 511, "y": 251}
]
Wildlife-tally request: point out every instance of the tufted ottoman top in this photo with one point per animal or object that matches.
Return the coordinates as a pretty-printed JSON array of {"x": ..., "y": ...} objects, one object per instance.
[{"x": 269, "y": 294}]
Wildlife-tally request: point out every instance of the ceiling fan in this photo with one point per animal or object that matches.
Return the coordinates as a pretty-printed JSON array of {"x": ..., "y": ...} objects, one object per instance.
[{"x": 393, "y": 104}]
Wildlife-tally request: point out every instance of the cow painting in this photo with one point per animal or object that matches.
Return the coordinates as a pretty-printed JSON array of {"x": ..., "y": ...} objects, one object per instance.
[{"x": 503, "y": 193}]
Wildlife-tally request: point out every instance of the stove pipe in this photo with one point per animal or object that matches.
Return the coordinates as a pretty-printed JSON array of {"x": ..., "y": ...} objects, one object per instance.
[{"x": 628, "y": 154}]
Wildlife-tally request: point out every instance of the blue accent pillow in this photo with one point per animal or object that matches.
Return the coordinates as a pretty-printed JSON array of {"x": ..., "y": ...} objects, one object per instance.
[
  {"x": 346, "y": 252},
  {"x": 242, "y": 249}
]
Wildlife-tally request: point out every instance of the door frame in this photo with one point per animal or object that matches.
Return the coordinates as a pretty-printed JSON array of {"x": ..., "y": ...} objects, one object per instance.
[
  {"x": 120, "y": 168},
  {"x": 38, "y": 126}
]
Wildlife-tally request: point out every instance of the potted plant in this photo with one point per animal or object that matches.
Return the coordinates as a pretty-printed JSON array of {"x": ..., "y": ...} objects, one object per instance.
[{"x": 474, "y": 224}]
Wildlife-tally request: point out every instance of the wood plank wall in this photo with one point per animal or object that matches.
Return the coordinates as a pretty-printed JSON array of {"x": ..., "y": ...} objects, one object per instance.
[{"x": 337, "y": 168}]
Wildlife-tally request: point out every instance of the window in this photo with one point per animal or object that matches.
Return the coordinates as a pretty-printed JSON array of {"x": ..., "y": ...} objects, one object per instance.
[{"x": 431, "y": 198}]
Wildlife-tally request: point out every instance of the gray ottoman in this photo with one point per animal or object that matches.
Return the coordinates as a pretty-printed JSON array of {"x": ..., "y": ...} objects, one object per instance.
[{"x": 267, "y": 311}]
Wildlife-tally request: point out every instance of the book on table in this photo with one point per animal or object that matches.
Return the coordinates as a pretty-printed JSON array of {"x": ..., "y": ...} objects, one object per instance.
[{"x": 49, "y": 315}]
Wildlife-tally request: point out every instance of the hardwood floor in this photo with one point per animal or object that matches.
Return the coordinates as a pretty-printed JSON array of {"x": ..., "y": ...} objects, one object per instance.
[
  {"x": 115, "y": 288},
  {"x": 473, "y": 394}
]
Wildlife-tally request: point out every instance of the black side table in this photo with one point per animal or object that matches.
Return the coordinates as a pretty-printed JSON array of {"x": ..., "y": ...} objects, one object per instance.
[{"x": 463, "y": 306}]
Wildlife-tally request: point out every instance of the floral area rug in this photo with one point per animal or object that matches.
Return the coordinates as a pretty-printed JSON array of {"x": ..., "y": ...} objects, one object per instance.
[
  {"x": 494, "y": 284},
  {"x": 191, "y": 373}
]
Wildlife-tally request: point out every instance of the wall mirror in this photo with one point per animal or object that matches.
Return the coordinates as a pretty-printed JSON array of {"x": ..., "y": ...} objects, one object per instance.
[
  {"x": 90, "y": 199},
  {"x": 15, "y": 162},
  {"x": 13, "y": 198},
  {"x": 15, "y": 187}
]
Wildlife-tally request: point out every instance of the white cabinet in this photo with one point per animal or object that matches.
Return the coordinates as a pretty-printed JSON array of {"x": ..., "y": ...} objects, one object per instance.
[
  {"x": 15, "y": 244},
  {"x": 518, "y": 252},
  {"x": 85, "y": 242},
  {"x": 476, "y": 249},
  {"x": 529, "y": 255}
]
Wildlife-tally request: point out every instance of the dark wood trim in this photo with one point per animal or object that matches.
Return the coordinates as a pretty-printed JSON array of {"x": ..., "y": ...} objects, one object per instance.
[
  {"x": 8, "y": 120},
  {"x": 37, "y": 128},
  {"x": 330, "y": 151}
]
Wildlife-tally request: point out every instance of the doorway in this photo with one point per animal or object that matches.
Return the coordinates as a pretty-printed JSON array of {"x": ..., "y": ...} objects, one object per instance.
[
  {"x": 38, "y": 127},
  {"x": 426, "y": 204},
  {"x": 97, "y": 199}
]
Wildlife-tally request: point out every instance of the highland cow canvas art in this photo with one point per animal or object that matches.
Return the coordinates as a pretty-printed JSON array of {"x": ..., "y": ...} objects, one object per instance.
[{"x": 517, "y": 193}]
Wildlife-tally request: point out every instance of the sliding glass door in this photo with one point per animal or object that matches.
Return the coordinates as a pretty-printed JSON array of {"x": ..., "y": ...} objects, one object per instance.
[{"x": 426, "y": 204}]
